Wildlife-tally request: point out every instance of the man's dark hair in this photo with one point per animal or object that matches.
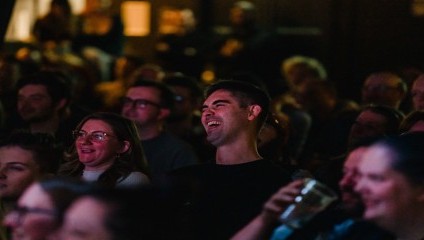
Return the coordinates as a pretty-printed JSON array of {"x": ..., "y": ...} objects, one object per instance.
[
  {"x": 56, "y": 83},
  {"x": 184, "y": 81},
  {"x": 167, "y": 96},
  {"x": 393, "y": 117},
  {"x": 246, "y": 93},
  {"x": 46, "y": 153}
]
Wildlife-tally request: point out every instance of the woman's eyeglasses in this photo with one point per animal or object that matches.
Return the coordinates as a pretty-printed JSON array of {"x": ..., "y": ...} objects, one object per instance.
[{"x": 96, "y": 136}]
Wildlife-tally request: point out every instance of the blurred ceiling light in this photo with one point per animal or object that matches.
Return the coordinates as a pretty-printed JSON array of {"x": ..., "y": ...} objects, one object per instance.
[{"x": 136, "y": 18}]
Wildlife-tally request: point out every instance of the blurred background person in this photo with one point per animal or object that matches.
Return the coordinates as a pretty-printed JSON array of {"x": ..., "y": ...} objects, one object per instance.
[
  {"x": 24, "y": 158},
  {"x": 180, "y": 45},
  {"x": 391, "y": 185},
  {"x": 111, "y": 92},
  {"x": 99, "y": 36},
  {"x": 413, "y": 122},
  {"x": 384, "y": 88},
  {"x": 417, "y": 93},
  {"x": 39, "y": 212},
  {"x": 130, "y": 214},
  {"x": 55, "y": 30}
]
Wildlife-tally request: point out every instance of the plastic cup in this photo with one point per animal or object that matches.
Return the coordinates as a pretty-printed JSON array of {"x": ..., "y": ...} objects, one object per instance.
[{"x": 313, "y": 198}]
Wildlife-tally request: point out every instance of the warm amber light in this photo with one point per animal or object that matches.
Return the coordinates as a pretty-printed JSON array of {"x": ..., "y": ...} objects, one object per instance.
[{"x": 136, "y": 18}]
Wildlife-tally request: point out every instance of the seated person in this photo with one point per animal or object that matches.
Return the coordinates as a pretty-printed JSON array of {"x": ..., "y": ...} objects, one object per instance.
[
  {"x": 24, "y": 158},
  {"x": 39, "y": 212}
]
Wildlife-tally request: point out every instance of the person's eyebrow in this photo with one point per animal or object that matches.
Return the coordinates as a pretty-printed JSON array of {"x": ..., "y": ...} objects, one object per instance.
[
  {"x": 17, "y": 163},
  {"x": 216, "y": 102}
]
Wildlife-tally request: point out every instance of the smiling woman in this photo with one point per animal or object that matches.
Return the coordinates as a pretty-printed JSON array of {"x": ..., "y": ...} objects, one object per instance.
[
  {"x": 392, "y": 185},
  {"x": 106, "y": 150}
]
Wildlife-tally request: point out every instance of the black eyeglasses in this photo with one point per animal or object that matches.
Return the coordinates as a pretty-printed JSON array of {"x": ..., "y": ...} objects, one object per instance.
[
  {"x": 96, "y": 136},
  {"x": 138, "y": 103},
  {"x": 23, "y": 211}
]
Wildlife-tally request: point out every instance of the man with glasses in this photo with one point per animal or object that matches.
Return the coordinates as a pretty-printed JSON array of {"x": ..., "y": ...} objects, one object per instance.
[{"x": 149, "y": 104}]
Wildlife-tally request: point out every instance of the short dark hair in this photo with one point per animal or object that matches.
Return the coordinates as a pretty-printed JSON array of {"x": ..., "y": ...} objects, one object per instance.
[
  {"x": 247, "y": 94},
  {"x": 167, "y": 96},
  {"x": 393, "y": 117},
  {"x": 407, "y": 155},
  {"x": 186, "y": 82},
  {"x": 46, "y": 153},
  {"x": 56, "y": 83}
]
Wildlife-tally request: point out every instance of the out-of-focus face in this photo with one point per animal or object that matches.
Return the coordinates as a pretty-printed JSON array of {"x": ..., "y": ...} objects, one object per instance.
[
  {"x": 223, "y": 119},
  {"x": 184, "y": 105},
  {"x": 17, "y": 171},
  {"x": 417, "y": 127},
  {"x": 350, "y": 198},
  {"x": 147, "y": 115},
  {"x": 382, "y": 89},
  {"x": 34, "y": 103},
  {"x": 368, "y": 124},
  {"x": 98, "y": 154},
  {"x": 84, "y": 220},
  {"x": 34, "y": 218},
  {"x": 417, "y": 92},
  {"x": 389, "y": 198}
]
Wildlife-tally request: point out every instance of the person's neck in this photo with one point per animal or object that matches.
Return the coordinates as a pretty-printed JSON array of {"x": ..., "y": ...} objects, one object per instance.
[
  {"x": 99, "y": 168},
  {"x": 237, "y": 154},
  {"x": 48, "y": 126},
  {"x": 149, "y": 132}
]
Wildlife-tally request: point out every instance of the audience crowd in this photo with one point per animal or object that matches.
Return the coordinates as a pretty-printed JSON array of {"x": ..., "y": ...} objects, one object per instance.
[{"x": 97, "y": 144}]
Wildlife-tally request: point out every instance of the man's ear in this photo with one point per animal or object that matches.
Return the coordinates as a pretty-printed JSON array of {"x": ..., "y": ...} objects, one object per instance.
[
  {"x": 254, "y": 111},
  {"x": 125, "y": 147},
  {"x": 61, "y": 103}
]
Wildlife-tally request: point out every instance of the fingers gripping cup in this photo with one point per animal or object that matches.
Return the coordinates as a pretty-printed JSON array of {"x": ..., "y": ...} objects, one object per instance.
[{"x": 314, "y": 197}]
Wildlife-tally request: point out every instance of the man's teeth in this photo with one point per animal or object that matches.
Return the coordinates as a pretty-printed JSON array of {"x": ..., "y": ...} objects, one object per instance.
[{"x": 213, "y": 123}]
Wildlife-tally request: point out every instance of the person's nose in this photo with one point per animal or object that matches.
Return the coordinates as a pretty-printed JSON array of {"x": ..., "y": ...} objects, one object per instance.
[
  {"x": 345, "y": 181},
  {"x": 360, "y": 186},
  {"x": 207, "y": 112}
]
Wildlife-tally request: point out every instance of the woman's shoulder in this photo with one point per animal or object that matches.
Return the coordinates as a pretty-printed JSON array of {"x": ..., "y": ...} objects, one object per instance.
[{"x": 133, "y": 179}]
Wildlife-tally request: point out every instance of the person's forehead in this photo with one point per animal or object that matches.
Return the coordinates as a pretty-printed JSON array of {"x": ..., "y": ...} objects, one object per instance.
[
  {"x": 220, "y": 94},
  {"x": 370, "y": 116},
  {"x": 16, "y": 155},
  {"x": 96, "y": 125},
  {"x": 382, "y": 79},
  {"x": 354, "y": 158},
  {"x": 144, "y": 90},
  {"x": 375, "y": 159},
  {"x": 33, "y": 89}
]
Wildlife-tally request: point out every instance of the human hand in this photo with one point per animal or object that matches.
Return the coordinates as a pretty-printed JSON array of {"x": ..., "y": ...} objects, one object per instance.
[{"x": 278, "y": 202}]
